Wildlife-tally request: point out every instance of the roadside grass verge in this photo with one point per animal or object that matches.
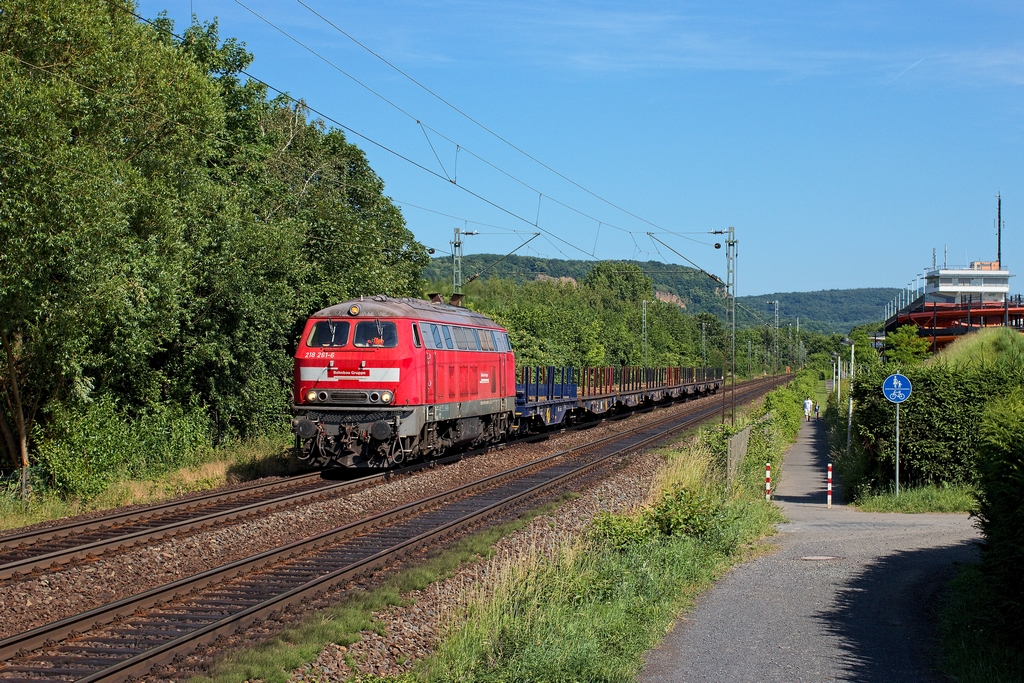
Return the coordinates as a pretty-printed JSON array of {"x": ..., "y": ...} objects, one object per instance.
[
  {"x": 592, "y": 609},
  {"x": 229, "y": 464},
  {"x": 930, "y": 498},
  {"x": 273, "y": 660},
  {"x": 971, "y": 653}
]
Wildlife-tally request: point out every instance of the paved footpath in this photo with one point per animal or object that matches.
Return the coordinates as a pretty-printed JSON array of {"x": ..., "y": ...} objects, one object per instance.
[{"x": 863, "y": 616}]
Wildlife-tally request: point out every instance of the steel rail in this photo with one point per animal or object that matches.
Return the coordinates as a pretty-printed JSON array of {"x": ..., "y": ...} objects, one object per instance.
[
  {"x": 445, "y": 513},
  {"x": 16, "y": 561},
  {"x": 52, "y": 547},
  {"x": 84, "y": 525}
]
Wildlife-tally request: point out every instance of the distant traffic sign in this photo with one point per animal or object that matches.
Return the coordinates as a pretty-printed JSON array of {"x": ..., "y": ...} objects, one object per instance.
[{"x": 896, "y": 388}]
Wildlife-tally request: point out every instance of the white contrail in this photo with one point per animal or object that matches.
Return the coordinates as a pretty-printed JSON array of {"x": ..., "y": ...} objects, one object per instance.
[{"x": 906, "y": 70}]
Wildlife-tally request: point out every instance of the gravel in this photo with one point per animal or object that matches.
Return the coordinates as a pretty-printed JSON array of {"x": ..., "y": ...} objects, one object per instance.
[
  {"x": 412, "y": 631},
  {"x": 44, "y": 598}
]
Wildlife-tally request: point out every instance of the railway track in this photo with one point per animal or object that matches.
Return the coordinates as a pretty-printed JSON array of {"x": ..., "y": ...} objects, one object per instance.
[
  {"x": 129, "y": 637},
  {"x": 52, "y": 547},
  {"x": 32, "y": 552}
]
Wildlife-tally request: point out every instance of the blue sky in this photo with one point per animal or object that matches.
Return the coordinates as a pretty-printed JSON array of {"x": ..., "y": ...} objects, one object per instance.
[{"x": 843, "y": 140}]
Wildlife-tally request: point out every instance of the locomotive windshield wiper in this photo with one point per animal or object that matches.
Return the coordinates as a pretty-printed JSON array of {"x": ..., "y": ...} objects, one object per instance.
[{"x": 333, "y": 327}]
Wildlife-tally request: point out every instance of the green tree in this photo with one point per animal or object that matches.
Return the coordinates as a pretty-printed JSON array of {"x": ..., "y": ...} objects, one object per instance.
[
  {"x": 94, "y": 247},
  {"x": 904, "y": 346},
  {"x": 166, "y": 227}
]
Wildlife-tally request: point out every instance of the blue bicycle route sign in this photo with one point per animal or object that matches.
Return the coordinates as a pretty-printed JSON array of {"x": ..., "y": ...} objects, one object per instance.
[{"x": 896, "y": 388}]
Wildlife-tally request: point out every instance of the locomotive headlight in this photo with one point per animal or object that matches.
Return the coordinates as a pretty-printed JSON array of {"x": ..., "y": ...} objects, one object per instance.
[
  {"x": 386, "y": 396},
  {"x": 353, "y": 309},
  {"x": 311, "y": 396}
]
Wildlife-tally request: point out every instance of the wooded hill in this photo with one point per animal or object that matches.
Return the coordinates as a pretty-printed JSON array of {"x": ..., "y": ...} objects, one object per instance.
[{"x": 826, "y": 311}]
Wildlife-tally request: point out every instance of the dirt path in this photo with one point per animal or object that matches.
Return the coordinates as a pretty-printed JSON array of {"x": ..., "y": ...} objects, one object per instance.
[{"x": 863, "y": 616}]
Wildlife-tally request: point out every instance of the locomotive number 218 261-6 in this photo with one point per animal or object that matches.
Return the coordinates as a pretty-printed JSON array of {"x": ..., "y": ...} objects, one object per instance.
[{"x": 319, "y": 354}]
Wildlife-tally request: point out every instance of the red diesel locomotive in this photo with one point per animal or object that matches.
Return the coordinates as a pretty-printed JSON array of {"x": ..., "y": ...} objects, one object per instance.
[{"x": 379, "y": 381}]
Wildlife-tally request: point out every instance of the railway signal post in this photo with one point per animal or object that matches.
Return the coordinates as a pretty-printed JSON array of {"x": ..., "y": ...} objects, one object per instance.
[{"x": 896, "y": 388}]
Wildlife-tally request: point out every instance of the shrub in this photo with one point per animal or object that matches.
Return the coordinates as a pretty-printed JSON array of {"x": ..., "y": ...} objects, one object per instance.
[
  {"x": 939, "y": 436},
  {"x": 87, "y": 447},
  {"x": 1001, "y": 511}
]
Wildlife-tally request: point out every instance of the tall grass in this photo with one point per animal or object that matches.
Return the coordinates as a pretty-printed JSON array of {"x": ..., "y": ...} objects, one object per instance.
[
  {"x": 589, "y": 610},
  {"x": 994, "y": 344},
  {"x": 585, "y": 615},
  {"x": 929, "y": 498},
  {"x": 273, "y": 660}
]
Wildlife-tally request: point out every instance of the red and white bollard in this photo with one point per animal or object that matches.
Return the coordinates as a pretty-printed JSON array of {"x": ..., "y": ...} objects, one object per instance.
[
  {"x": 767, "y": 481},
  {"x": 830, "y": 485}
]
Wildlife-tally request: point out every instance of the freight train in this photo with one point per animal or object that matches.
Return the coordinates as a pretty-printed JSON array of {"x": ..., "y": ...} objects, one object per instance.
[{"x": 381, "y": 381}]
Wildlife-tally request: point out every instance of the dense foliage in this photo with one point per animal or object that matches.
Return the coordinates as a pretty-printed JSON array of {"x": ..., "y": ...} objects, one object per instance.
[
  {"x": 598, "y": 320},
  {"x": 595, "y": 322},
  {"x": 905, "y": 346},
  {"x": 825, "y": 312},
  {"x": 164, "y": 226},
  {"x": 939, "y": 424},
  {"x": 1001, "y": 509}
]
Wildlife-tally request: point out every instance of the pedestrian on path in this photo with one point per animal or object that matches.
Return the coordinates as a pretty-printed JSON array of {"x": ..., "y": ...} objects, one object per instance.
[
  {"x": 816, "y": 407},
  {"x": 808, "y": 404}
]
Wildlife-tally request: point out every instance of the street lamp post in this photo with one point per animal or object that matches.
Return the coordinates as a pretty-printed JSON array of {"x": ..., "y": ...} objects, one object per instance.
[{"x": 838, "y": 376}]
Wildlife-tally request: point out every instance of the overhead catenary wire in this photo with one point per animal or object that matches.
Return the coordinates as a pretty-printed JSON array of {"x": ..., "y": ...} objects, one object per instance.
[
  {"x": 458, "y": 218},
  {"x": 161, "y": 117},
  {"x": 481, "y": 125},
  {"x": 368, "y": 139},
  {"x": 425, "y": 128},
  {"x": 164, "y": 198},
  {"x": 412, "y": 117},
  {"x": 713, "y": 277},
  {"x": 535, "y": 236}
]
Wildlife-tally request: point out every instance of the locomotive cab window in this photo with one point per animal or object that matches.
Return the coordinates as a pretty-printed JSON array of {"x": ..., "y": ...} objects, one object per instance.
[
  {"x": 416, "y": 335},
  {"x": 377, "y": 334},
  {"x": 328, "y": 333},
  {"x": 435, "y": 334},
  {"x": 447, "y": 337}
]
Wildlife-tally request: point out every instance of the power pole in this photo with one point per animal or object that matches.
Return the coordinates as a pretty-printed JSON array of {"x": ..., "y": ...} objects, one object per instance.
[
  {"x": 799, "y": 346},
  {"x": 644, "y": 350},
  {"x": 457, "y": 259},
  {"x": 730, "y": 307},
  {"x": 775, "y": 360},
  {"x": 703, "y": 346}
]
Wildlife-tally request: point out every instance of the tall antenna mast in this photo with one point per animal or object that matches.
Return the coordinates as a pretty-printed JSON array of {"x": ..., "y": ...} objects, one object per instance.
[{"x": 999, "y": 230}]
